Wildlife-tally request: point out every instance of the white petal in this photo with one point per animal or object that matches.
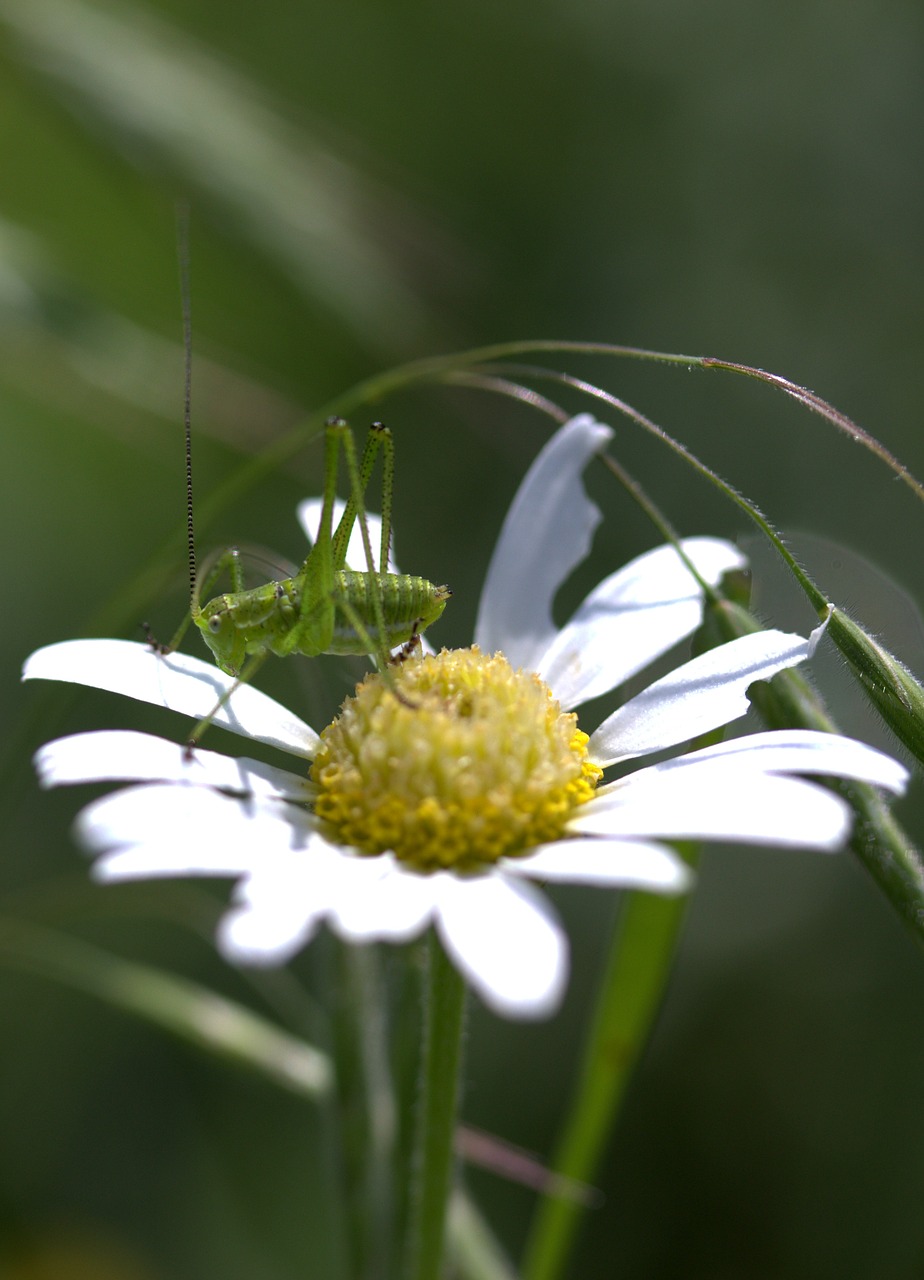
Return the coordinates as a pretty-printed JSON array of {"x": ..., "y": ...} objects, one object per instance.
[
  {"x": 178, "y": 681},
  {"x": 362, "y": 899},
  {"x": 718, "y": 802},
  {"x": 266, "y": 937},
  {"x": 799, "y": 751},
  {"x": 382, "y": 901},
  {"x": 278, "y": 908},
  {"x": 309, "y": 515},
  {"x": 703, "y": 694},
  {"x": 122, "y": 755},
  {"x": 169, "y": 830},
  {"x": 640, "y": 864},
  {"x": 634, "y": 616},
  {"x": 502, "y": 937},
  {"x": 547, "y": 531}
]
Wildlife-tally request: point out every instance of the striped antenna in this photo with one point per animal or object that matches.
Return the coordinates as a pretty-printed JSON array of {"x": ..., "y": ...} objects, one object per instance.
[{"x": 182, "y": 241}]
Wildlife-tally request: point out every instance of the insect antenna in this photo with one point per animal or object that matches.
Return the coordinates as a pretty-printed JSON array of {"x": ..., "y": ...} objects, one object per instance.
[{"x": 182, "y": 236}]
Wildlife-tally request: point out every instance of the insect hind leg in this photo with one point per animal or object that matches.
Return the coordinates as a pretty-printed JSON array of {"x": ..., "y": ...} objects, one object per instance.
[
  {"x": 378, "y": 440},
  {"x": 410, "y": 647},
  {"x": 373, "y": 650}
]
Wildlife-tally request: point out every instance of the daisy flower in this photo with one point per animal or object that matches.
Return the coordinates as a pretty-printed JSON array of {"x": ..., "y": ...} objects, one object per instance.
[{"x": 443, "y": 807}]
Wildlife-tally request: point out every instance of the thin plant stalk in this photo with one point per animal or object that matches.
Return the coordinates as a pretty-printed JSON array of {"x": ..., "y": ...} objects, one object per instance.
[
  {"x": 434, "y": 1159},
  {"x": 365, "y": 1103},
  {"x": 639, "y": 965}
]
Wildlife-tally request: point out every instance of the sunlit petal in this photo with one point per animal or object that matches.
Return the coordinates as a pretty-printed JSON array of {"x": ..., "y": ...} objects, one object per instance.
[
  {"x": 703, "y": 694},
  {"x": 170, "y": 830},
  {"x": 273, "y": 916},
  {"x": 797, "y": 751},
  {"x": 178, "y": 682},
  {"x": 248, "y": 935},
  {"x": 382, "y": 901},
  {"x": 719, "y": 803},
  {"x": 633, "y": 617},
  {"x": 504, "y": 939},
  {"x": 638, "y": 864},
  {"x": 547, "y": 531},
  {"x": 122, "y": 755}
]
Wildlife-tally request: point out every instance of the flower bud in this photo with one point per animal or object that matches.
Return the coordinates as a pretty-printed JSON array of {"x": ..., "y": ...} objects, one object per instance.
[{"x": 890, "y": 686}]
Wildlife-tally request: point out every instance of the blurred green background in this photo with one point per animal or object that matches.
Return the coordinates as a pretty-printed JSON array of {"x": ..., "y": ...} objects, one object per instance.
[{"x": 371, "y": 182}]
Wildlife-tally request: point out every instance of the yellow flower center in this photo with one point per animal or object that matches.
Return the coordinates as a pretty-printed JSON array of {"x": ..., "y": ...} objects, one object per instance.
[{"x": 471, "y": 762}]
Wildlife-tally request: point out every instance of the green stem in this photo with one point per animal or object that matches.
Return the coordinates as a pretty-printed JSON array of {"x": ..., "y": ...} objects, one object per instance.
[
  {"x": 633, "y": 985},
  {"x": 434, "y": 1158},
  {"x": 366, "y": 1108}
]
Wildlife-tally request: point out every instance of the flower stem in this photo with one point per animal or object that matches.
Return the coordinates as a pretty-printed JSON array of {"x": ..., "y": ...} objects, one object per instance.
[
  {"x": 366, "y": 1107},
  {"x": 431, "y": 1178},
  {"x": 639, "y": 965}
]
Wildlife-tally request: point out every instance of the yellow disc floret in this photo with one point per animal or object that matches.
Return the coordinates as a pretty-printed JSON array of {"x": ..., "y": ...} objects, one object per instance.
[{"x": 455, "y": 761}]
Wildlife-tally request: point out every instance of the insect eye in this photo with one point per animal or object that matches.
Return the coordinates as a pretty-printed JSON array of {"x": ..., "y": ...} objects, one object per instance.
[{"x": 214, "y": 623}]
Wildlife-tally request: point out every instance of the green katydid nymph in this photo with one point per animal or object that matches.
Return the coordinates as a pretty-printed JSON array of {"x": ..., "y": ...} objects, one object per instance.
[{"x": 325, "y": 607}]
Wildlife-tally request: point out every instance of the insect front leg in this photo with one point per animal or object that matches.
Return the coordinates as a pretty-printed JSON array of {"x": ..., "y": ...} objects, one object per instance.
[
  {"x": 227, "y": 561},
  {"x": 248, "y": 672}
]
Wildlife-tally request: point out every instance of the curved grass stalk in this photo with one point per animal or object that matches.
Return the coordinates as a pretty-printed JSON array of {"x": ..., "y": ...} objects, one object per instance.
[{"x": 445, "y": 368}]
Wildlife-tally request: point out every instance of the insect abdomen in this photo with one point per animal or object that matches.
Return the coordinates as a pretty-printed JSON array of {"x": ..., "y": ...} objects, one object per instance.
[{"x": 409, "y": 605}]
